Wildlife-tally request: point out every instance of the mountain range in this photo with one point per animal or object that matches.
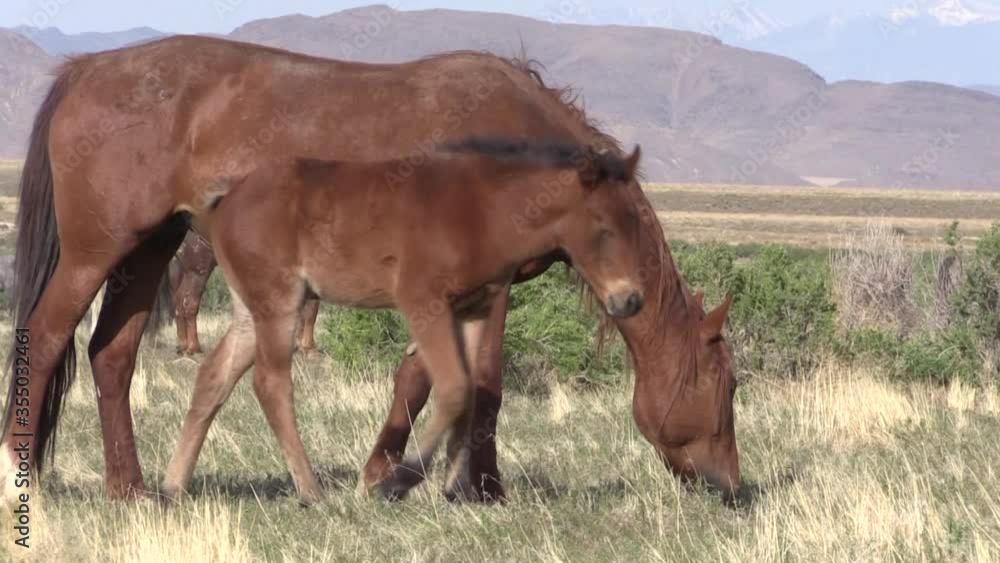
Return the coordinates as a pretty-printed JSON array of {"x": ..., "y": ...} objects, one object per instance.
[{"x": 704, "y": 110}]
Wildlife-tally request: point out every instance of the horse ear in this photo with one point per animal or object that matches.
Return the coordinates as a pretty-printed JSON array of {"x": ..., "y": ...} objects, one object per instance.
[
  {"x": 632, "y": 164},
  {"x": 711, "y": 327},
  {"x": 699, "y": 298}
]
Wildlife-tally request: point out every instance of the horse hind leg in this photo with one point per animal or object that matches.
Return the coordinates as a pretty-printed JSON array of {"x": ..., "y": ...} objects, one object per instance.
[
  {"x": 51, "y": 327},
  {"x": 217, "y": 377},
  {"x": 113, "y": 349}
]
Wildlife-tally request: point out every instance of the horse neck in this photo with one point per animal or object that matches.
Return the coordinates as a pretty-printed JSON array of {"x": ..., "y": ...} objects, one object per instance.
[
  {"x": 659, "y": 337},
  {"x": 529, "y": 202}
]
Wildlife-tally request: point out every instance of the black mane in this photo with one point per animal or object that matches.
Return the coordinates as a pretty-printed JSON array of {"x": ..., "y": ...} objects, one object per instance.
[{"x": 548, "y": 153}]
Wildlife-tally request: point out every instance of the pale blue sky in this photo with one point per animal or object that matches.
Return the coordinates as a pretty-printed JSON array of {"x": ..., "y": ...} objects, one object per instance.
[{"x": 221, "y": 16}]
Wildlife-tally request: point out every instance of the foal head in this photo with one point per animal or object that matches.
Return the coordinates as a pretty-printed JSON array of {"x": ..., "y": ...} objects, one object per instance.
[{"x": 601, "y": 233}]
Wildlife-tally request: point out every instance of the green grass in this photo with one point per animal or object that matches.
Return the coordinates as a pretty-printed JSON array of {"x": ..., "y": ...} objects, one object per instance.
[{"x": 842, "y": 466}]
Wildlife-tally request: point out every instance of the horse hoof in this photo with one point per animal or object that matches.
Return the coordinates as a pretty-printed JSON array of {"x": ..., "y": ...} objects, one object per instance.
[
  {"x": 308, "y": 500},
  {"x": 404, "y": 477}
]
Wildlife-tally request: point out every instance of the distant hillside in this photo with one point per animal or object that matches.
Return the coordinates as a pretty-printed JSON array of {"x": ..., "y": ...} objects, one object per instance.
[
  {"x": 989, "y": 89},
  {"x": 55, "y": 42},
  {"x": 704, "y": 111},
  {"x": 24, "y": 78}
]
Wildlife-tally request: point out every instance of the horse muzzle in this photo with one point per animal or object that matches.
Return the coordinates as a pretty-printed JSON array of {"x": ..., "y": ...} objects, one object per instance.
[{"x": 624, "y": 304}]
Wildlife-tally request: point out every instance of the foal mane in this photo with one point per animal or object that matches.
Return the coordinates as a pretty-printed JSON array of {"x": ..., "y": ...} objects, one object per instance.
[
  {"x": 547, "y": 153},
  {"x": 568, "y": 99}
]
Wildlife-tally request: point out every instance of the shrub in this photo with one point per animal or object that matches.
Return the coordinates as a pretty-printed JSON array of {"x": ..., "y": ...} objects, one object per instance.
[
  {"x": 549, "y": 330},
  {"x": 935, "y": 356},
  {"x": 873, "y": 280},
  {"x": 782, "y": 319},
  {"x": 709, "y": 267},
  {"x": 977, "y": 302},
  {"x": 782, "y": 315},
  {"x": 216, "y": 297},
  {"x": 356, "y": 338}
]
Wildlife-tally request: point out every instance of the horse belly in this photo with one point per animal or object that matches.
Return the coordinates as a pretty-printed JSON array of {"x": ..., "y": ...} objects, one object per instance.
[{"x": 351, "y": 287}]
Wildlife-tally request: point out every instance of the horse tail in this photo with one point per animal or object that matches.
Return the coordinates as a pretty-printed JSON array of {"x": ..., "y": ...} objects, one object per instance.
[
  {"x": 35, "y": 257},
  {"x": 163, "y": 308}
]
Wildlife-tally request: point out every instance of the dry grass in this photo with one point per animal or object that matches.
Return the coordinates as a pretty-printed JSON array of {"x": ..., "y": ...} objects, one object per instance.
[
  {"x": 873, "y": 280},
  {"x": 844, "y": 466}
]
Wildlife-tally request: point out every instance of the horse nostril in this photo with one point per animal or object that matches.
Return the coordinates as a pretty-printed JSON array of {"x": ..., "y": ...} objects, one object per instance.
[{"x": 634, "y": 303}]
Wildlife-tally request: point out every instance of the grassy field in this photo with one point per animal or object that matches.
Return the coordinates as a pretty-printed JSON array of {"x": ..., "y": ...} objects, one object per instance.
[{"x": 843, "y": 466}]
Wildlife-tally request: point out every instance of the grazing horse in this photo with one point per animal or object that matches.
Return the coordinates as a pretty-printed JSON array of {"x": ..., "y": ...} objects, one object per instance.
[
  {"x": 447, "y": 239},
  {"x": 188, "y": 274},
  {"x": 127, "y": 141}
]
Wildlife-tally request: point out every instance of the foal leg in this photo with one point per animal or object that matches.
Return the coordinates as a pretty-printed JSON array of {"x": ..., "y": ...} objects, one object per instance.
[
  {"x": 410, "y": 393},
  {"x": 458, "y": 483},
  {"x": 452, "y": 394},
  {"x": 487, "y": 378},
  {"x": 307, "y": 333},
  {"x": 412, "y": 388},
  {"x": 272, "y": 383},
  {"x": 113, "y": 350},
  {"x": 217, "y": 376}
]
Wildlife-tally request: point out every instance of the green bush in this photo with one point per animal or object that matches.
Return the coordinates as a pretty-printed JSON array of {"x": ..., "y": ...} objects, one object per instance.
[
  {"x": 977, "y": 302},
  {"x": 782, "y": 317},
  {"x": 548, "y": 329},
  {"x": 783, "y": 313},
  {"x": 356, "y": 338},
  {"x": 935, "y": 356},
  {"x": 216, "y": 297}
]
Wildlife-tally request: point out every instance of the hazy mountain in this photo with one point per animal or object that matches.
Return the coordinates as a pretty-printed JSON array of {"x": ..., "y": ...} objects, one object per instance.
[
  {"x": 55, "y": 42},
  {"x": 703, "y": 110},
  {"x": 24, "y": 78},
  {"x": 988, "y": 88}
]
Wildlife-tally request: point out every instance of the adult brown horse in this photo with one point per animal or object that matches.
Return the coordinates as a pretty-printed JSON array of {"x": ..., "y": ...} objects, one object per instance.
[
  {"x": 296, "y": 227},
  {"x": 127, "y": 140},
  {"x": 189, "y": 272}
]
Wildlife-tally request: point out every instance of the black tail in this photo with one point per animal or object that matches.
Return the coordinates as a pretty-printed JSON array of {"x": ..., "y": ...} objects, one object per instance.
[
  {"x": 163, "y": 308},
  {"x": 35, "y": 258}
]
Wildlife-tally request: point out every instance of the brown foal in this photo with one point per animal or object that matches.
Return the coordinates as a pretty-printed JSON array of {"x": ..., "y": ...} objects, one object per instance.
[{"x": 437, "y": 245}]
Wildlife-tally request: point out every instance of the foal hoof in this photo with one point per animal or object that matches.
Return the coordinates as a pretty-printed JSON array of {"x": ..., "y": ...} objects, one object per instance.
[
  {"x": 404, "y": 477},
  {"x": 308, "y": 500}
]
